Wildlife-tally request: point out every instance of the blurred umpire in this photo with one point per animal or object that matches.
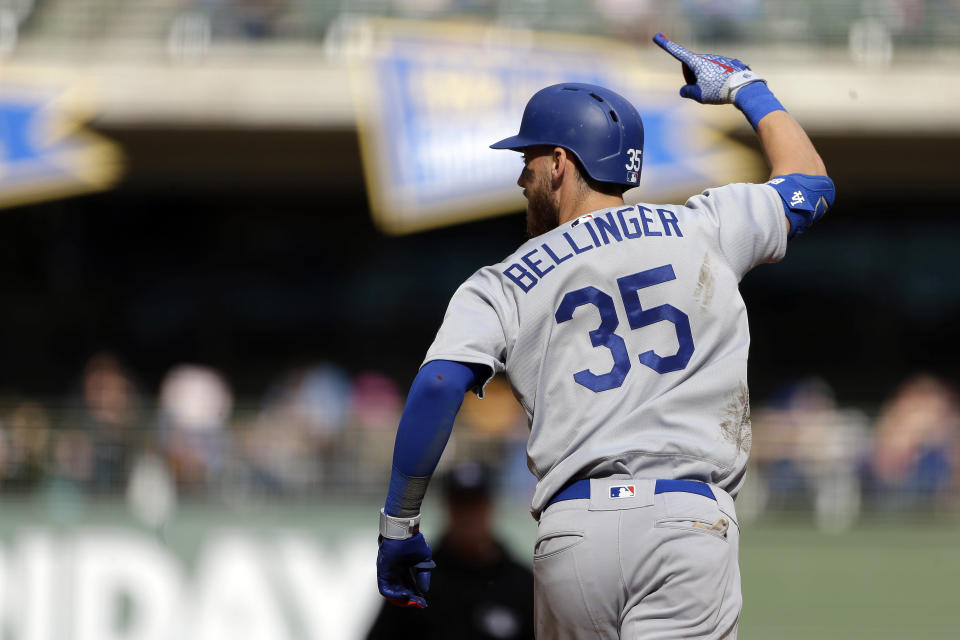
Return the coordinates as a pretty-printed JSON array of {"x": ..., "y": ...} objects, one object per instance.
[{"x": 478, "y": 592}]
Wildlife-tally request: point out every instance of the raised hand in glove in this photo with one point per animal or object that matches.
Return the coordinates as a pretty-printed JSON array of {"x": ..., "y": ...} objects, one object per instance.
[{"x": 711, "y": 79}]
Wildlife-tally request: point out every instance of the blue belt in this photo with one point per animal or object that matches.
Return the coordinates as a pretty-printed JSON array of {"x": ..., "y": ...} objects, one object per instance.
[{"x": 581, "y": 489}]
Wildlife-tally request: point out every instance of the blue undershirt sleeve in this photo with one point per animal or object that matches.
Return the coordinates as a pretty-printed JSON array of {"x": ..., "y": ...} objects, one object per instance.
[{"x": 432, "y": 405}]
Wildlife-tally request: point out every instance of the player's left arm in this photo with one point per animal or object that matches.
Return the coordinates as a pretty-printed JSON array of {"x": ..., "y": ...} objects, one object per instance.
[
  {"x": 797, "y": 172},
  {"x": 787, "y": 147},
  {"x": 405, "y": 559}
]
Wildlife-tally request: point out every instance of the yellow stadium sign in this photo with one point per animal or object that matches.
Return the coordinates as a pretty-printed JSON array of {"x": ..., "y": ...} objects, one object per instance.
[
  {"x": 45, "y": 153},
  {"x": 432, "y": 97}
]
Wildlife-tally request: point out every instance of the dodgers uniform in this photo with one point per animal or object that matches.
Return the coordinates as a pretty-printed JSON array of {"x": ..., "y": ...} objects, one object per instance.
[{"x": 625, "y": 339}]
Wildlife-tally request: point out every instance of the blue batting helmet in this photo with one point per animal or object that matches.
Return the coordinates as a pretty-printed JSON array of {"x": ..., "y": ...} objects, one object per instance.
[{"x": 600, "y": 127}]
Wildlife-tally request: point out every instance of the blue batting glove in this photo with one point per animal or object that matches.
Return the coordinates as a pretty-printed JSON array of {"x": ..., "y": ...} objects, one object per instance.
[
  {"x": 711, "y": 79},
  {"x": 403, "y": 570}
]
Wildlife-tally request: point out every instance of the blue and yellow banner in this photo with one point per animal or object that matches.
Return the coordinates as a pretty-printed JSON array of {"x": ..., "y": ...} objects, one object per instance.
[
  {"x": 45, "y": 153},
  {"x": 433, "y": 97}
]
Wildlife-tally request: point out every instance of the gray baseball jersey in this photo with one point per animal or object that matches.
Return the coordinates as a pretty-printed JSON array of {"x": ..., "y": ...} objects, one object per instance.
[{"x": 624, "y": 337}]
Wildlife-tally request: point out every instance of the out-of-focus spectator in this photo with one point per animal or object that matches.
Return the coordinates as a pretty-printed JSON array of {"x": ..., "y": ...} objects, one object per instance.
[
  {"x": 495, "y": 428},
  {"x": 477, "y": 592},
  {"x": 71, "y": 460},
  {"x": 721, "y": 20},
  {"x": 631, "y": 18},
  {"x": 13, "y": 15},
  {"x": 253, "y": 19},
  {"x": 109, "y": 394},
  {"x": 151, "y": 491},
  {"x": 367, "y": 447},
  {"x": 497, "y": 414},
  {"x": 195, "y": 405},
  {"x": 915, "y": 452},
  {"x": 257, "y": 18},
  {"x": 905, "y": 15},
  {"x": 24, "y": 444},
  {"x": 302, "y": 417},
  {"x": 94, "y": 448},
  {"x": 201, "y": 22},
  {"x": 315, "y": 398},
  {"x": 806, "y": 451},
  {"x": 422, "y": 8},
  {"x": 375, "y": 401}
]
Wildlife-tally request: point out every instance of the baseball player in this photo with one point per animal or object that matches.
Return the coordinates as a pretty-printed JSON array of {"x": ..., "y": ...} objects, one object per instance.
[{"x": 625, "y": 339}]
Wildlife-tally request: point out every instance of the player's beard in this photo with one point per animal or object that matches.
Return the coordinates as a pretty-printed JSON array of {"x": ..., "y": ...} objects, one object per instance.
[{"x": 543, "y": 214}]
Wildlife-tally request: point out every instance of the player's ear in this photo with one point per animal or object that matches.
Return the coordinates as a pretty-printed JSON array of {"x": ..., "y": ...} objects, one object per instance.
[{"x": 558, "y": 163}]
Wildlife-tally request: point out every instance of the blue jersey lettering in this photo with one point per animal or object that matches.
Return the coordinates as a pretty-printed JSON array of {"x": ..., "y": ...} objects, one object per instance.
[
  {"x": 521, "y": 277},
  {"x": 646, "y": 222},
  {"x": 533, "y": 264}
]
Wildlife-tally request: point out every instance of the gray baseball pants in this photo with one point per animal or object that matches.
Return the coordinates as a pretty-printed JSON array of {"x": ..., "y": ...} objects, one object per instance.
[{"x": 642, "y": 566}]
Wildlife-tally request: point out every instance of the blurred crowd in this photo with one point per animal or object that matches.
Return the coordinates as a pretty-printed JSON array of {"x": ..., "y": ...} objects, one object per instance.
[
  {"x": 861, "y": 24},
  {"x": 319, "y": 430},
  {"x": 869, "y": 27},
  {"x": 316, "y": 429},
  {"x": 810, "y": 453}
]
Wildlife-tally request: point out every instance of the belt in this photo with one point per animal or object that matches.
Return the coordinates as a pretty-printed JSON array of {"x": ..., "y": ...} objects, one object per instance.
[{"x": 581, "y": 489}]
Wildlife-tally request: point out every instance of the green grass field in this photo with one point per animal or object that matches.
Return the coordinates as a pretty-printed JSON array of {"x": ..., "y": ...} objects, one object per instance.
[{"x": 883, "y": 580}]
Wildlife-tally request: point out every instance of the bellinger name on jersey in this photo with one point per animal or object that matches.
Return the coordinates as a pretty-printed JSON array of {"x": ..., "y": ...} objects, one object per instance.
[{"x": 595, "y": 231}]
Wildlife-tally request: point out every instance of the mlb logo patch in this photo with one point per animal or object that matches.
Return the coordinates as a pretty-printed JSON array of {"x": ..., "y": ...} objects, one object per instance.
[
  {"x": 633, "y": 177},
  {"x": 623, "y": 491}
]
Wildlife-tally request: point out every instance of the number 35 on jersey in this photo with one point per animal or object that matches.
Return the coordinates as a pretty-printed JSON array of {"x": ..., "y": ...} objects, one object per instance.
[{"x": 605, "y": 335}]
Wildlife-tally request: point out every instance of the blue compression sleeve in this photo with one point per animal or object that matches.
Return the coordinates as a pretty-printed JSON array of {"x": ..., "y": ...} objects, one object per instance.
[
  {"x": 755, "y": 100},
  {"x": 435, "y": 398}
]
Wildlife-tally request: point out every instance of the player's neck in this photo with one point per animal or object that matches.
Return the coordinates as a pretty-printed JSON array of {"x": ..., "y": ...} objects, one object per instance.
[{"x": 573, "y": 208}]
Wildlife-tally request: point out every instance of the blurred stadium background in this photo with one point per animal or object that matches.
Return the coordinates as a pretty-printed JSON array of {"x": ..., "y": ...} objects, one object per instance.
[{"x": 231, "y": 227}]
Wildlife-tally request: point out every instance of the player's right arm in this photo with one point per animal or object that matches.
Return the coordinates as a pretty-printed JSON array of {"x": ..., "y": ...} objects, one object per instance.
[
  {"x": 797, "y": 172},
  {"x": 405, "y": 559},
  {"x": 466, "y": 353}
]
